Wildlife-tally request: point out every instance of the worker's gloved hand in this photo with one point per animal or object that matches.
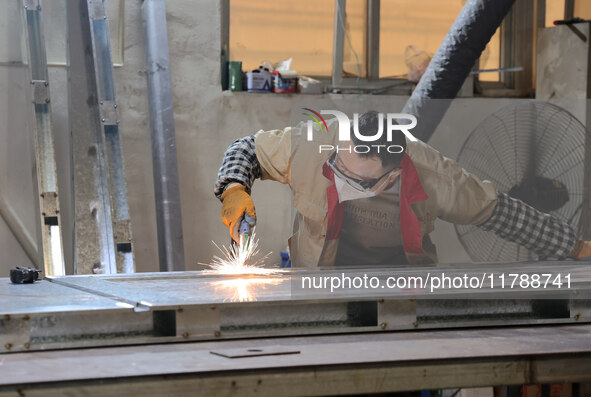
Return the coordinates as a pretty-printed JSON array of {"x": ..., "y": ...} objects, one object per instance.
[
  {"x": 582, "y": 250},
  {"x": 236, "y": 205}
]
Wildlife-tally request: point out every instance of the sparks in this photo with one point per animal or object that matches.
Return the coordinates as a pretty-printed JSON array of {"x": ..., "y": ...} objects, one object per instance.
[
  {"x": 235, "y": 259},
  {"x": 244, "y": 289}
]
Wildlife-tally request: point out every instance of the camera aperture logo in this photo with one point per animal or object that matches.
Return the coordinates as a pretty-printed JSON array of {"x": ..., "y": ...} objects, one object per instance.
[{"x": 344, "y": 133}]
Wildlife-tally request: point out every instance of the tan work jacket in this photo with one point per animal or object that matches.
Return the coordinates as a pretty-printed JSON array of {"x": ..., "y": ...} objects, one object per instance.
[{"x": 432, "y": 186}]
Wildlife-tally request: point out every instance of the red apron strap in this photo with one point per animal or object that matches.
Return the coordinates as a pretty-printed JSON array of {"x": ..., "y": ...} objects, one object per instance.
[
  {"x": 411, "y": 191},
  {"x": 336, "y": 210}
]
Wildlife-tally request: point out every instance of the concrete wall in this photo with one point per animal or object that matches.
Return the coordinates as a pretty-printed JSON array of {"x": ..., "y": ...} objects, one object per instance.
[
  {"x": 16, "y": 178},
  {"x": 207, "y": 120}
]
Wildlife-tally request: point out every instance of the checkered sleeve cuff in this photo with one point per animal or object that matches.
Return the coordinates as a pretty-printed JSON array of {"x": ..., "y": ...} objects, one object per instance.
[
  {"x": 515, "y": 221},
  {"x": 240, "y": 164}
]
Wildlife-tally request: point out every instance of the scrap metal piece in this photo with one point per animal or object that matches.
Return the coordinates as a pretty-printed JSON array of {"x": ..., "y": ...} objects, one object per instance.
[{"x": 256, "y": 351}]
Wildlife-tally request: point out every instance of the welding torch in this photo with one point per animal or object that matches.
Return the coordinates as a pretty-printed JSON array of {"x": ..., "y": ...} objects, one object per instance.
[
  {"x": 245, "y": 230},
  {"x": 238, "y": 213}
]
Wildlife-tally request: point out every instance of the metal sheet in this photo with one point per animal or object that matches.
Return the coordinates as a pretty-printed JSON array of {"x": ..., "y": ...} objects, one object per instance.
[
  {"x": 185, "y": 306},
  {"x": 194, "y": 288},
  {"x": 46, "y": 297}
]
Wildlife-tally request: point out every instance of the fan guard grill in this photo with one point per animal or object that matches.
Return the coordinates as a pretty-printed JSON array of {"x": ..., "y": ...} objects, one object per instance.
[{"x": 499, "y": 150}]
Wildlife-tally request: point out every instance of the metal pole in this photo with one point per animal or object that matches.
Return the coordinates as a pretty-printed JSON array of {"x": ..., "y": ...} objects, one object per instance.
[
  {"x": 164, "y": 156},
  {"x": 46, "y": 175},
  {"x": 585, "y": 220},
  {"x": 373, "y": 39},
  {"x": 569, "y": 9},
  {"x": 338, "y": 43}
]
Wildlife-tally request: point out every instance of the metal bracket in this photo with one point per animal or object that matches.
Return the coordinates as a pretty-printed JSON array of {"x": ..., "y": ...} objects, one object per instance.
[
  {"x": 122, "y": 231},
  {"x": 397, "y": 314},
  {"x": 208, "y": 324},
  {"x": 109, "y": 113},
  {"x": 40, "y": 92},
  {"x": 49, "y": 204},
  {"x": 15, "y": 333},
  {"x": 96, "y": 9},
  {"x": 31, "y": 4}
]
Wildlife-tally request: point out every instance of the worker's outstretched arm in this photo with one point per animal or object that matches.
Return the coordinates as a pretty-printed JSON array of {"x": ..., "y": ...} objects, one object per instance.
[
  {"x": 236, "y": 175},
  {"x": 244, "y": 161},
  {"x": 547, "y": 236},
  {"x": 240, "y": 165},
  {"x": 465, "y": 199}
]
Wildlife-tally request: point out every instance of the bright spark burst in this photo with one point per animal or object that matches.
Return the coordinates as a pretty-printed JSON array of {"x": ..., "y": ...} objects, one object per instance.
[
  {"x": 244, "y": 289},
  {"x": 234, "y": 261}
]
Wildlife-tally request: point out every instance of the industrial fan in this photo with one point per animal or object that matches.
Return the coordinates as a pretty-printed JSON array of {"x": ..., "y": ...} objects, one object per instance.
[{"x": 534, "y": 151}]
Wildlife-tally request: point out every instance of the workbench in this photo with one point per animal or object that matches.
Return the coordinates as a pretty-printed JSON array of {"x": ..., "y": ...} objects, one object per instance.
[{"x": 181, "y": 332}]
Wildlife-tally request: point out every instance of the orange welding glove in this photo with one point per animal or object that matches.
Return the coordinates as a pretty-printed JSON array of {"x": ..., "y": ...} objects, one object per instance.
[
  {"x": 236, "y": 204},
  {"x": 582, "y": 250}
]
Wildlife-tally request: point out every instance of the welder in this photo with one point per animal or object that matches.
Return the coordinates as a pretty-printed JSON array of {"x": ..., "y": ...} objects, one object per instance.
[{"x": 376, "y": 207}]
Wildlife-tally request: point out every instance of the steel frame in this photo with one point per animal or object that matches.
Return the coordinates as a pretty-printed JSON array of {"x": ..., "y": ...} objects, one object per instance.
[
  {"x": 46, "y": 186},
  {"x": 103, "y": 237}
]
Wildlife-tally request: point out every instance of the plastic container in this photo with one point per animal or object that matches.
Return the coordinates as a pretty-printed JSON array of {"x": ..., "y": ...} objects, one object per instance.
[
  {"x": 283, "y": 85},
  {"x": 235, "y": 75},
  {"x": 258, "y": 82}
]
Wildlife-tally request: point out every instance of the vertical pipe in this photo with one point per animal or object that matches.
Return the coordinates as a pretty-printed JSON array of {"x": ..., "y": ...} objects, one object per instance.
[
  {"x": 338, "y": 43},
  {"x": 569, "y": 9},
  {"x": 373, "y": 39},
  {"x": 225, "y": 41},
  {"x": 540, "y": 14},
  {"x": 164, "y": 156},
  {"x": 585, "y": 220}
]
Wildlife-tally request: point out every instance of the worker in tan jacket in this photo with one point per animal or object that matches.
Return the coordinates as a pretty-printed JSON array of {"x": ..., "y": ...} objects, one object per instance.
[{"x": 361, "y": 204}]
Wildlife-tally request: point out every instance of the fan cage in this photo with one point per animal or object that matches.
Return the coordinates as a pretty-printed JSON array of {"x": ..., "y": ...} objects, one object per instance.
[{"x": 500, "y": 150}]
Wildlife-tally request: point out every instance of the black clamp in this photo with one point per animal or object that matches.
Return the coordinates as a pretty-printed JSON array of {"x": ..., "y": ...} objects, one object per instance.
[{"x": 24, "y": 275}]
